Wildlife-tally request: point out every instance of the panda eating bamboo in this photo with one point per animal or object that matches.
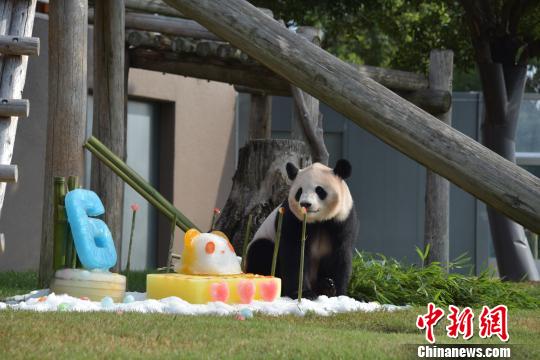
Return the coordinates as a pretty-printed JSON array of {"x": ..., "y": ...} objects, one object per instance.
[{"x": 332, "y": 227}]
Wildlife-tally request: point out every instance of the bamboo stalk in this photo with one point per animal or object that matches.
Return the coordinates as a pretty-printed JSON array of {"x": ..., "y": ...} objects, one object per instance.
[
  {"x": 128, "y": 180},
  {"x": 171, "y": 243},
  {"x": 165, "y": 207},
  {"x": 245, "y": 243},
  {"x": 134, "y": 209},
  {"x": 184, "y": 223},
  {"x": 281, "y": 211},
  {"x": 214, "y": 218},
  {"x": 302, "y": 249},
  {"x": 60, "y": 224},
  {"x": 72, "y": 184}
]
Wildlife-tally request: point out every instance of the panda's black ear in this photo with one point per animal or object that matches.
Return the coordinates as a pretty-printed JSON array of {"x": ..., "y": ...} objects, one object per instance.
[
  {"x": 343, "y": 169},
  {"x": 292, "y": 171}
]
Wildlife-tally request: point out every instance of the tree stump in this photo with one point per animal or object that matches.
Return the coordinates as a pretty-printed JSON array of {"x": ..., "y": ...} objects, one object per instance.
[{"x": 260, "y": 184}]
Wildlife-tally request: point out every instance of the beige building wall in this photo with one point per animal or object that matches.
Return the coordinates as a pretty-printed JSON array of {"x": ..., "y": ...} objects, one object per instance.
[
  {"x": 204, "y": 158},
  {"x": 205, "y": 140}
]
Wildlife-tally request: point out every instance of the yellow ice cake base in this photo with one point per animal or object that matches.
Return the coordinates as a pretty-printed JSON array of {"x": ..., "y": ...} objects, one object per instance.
[{"x": 201, "y": 289}]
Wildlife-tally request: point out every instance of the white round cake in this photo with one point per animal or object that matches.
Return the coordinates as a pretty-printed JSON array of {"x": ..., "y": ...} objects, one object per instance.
[{"x": 93, "y": 284}]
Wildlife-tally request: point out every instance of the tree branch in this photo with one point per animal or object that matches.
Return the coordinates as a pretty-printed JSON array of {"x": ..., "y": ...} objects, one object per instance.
[{"x": 312, "y": 127}]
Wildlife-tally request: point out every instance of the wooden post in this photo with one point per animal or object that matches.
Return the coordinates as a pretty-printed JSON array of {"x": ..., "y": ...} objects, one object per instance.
[
  {"x": 66, "y": 127},
  {"x": 260, "y": 117},
  {"x": 307, "y": 122},
  {"x": 437, "y": 210},
  {"x": 16, "y": 19},
  {"x": 109, "y": 108},
  {"x": 471, "y": 166}
]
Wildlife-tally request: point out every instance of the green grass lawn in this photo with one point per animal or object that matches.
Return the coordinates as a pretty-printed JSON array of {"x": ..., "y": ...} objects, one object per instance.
[{"x": 377, "y": 335}]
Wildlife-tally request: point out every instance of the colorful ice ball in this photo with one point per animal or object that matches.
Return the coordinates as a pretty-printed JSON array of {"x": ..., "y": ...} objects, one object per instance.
[
  {"x": 107, "y": 302},
  {"x": 246, "y": 313},
  {"x": 129, "y": 299}
]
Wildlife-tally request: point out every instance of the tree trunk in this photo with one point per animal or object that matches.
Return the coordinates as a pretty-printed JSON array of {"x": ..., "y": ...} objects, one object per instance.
[
  {"x": 260, "y": 117},
  {"x": 66, "y": 126},
  {"x": 109, "y": 107},
  {"x": 260, "y": 184},
  {"x": 502, "y": 97}
]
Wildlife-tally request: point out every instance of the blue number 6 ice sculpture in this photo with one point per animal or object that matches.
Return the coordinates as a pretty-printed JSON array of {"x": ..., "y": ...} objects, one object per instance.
[{"x": 93, "y": 239}]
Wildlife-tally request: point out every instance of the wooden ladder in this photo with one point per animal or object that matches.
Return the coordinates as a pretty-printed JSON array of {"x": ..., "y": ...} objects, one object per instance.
[{"x": 16, "y": 44}]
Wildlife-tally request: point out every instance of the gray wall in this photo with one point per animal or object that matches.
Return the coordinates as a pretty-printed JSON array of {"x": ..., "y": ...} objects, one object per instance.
[{"x": 387, "y": 186}]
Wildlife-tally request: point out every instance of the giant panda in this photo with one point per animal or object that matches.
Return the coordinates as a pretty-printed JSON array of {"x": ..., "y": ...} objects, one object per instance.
[{"x": 332, "y": 227}]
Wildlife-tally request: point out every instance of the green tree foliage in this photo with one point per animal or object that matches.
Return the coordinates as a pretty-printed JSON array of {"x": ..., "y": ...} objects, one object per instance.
[{"x": 400, "y": 33}]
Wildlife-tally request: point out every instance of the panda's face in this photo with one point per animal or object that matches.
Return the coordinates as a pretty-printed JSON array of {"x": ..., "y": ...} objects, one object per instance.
[{"x": 321, "y": 190}]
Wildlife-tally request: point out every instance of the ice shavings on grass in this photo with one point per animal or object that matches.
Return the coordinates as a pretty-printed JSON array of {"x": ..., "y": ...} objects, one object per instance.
[{"x": 323, "y": 306}]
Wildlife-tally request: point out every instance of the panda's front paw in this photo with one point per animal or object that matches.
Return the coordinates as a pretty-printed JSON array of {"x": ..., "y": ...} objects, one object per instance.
[{"x": 326, "y": 286}]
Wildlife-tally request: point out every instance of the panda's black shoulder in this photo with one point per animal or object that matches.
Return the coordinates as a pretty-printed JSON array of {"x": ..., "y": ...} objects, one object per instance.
[{"x": 349, "y": 226}]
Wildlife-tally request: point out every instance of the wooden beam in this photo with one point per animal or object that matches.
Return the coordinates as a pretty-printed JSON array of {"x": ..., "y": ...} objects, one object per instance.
[
  {"x": 434, "y": 101},
  {"x": 14, "y": 107},
  {"x": 204, "y": 52},
  {"x": 215, "y": 70},
  {"x": 66, "y": 127},
  {"x": 437, "y": 200},
  {"x": 109, "y": 120},
  {"x": 159, "y": 7},
  {"x": 9, "y": 173},
  {"x": 16, "y": 19},
  {"x": 164, "y": 24},
  {"x": 19, "y": 45},
  {"x": 471, "y": 166},
  {"x": 394, "y": 79},
  {"x": 153, "y": 6},
  {"x": 168, "y": 25}
]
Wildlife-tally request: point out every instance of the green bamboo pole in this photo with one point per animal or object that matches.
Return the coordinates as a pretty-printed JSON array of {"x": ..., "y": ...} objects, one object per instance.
[
  {"x": 281, "y": 211},
  {"x": 60, "y": 224},
  {"x": 245, "y": 243},
  {"x": 140, "y": 181},
  {"x": 171, "y": 243},
  {"x": 72, "y": 184},
  {"x": 302, "y": 249},
  {"x": 166, "y": 210}
]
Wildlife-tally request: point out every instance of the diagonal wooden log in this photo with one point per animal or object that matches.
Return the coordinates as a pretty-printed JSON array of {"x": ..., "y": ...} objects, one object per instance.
[
  {"x": 16, "y": 19},
  {"x": 471, "y": 166}
]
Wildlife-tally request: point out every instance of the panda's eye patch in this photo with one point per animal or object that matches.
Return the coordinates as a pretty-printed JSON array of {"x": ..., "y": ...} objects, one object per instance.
[
  {"x": 298, "y": 194},
  {"x": 321, "y": 192}
]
